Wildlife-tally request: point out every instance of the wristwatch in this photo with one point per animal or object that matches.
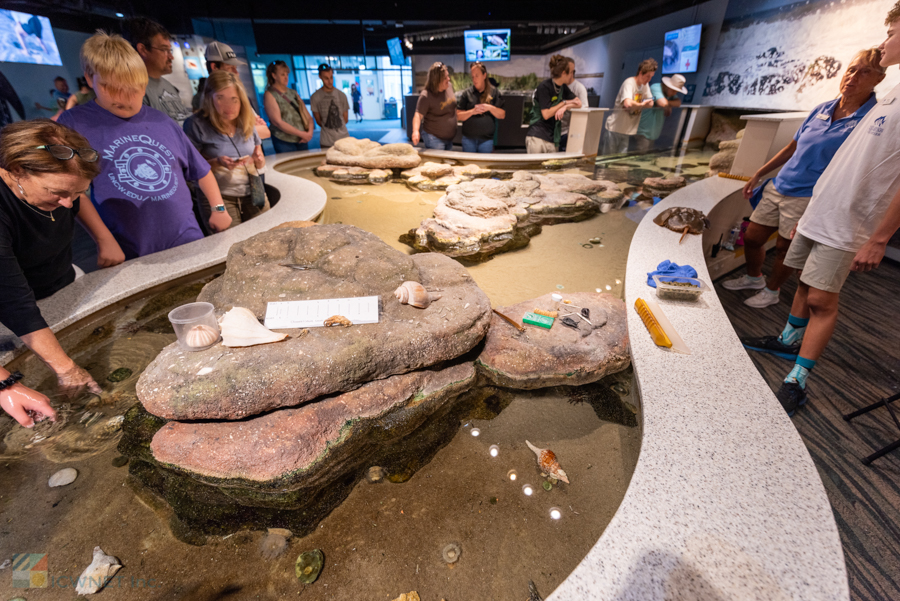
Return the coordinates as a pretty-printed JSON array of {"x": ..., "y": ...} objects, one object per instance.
[{"x": 219, "y": 208}]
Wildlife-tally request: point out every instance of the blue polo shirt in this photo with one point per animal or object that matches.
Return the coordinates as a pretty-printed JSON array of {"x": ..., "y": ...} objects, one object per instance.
[
  {"x": 652, "y": 119},
  {"x": 817, "y": 140}
]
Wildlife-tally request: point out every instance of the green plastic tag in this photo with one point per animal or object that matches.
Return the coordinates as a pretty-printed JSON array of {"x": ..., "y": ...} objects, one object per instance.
[{"x": 542, "y": 321}]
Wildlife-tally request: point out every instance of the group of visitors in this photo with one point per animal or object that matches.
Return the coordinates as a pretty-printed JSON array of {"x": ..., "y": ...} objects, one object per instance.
[
  {"x": 640, "y": 110},
  {"x": 834, "y": 205},
  {"x": 438, "y": 111},
  {"x": 121, "y": 168},
  {"x": 480, "y": 107}
]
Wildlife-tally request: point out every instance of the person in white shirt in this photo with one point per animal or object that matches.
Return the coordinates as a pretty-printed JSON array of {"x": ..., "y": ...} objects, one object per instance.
[
  {"x": 854, "y": 211},
  {"x": 624, "y": 119}
]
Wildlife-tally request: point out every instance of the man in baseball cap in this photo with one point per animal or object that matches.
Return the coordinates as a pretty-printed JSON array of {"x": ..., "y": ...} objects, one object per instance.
[
  {"x": 665, "y": 96},
  {"x": 221, "y": 56}
]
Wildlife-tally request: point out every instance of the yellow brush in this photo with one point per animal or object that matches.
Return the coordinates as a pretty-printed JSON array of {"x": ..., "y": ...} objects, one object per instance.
[
  {"x": 656, "y": 332},
  {"x": 730, "y": 176}
]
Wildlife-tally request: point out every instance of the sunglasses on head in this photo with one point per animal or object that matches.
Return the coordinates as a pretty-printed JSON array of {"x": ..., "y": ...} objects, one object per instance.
[{"x": 64, "y": 153}]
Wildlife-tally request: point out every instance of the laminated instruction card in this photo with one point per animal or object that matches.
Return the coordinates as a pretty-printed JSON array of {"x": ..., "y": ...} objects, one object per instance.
[{"x": 313, "y": 313}]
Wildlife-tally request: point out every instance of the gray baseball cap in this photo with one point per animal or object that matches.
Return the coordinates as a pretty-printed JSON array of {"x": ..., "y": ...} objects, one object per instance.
[{"x": 217, "y": 52}]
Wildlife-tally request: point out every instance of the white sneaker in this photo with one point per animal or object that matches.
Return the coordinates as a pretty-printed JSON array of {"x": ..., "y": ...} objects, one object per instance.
[
  {"x": 763, "y": 298},
  {"x": 744, "y": 282}
]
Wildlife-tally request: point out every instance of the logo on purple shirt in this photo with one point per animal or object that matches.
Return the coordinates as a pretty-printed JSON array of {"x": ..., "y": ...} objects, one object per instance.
[{"x": 143, "y": 168}]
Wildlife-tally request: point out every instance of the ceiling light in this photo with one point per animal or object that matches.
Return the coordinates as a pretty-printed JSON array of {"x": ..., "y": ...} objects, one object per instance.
[
  {"x": 431, "y": 39},
  {"x": 120, "y": 15}
]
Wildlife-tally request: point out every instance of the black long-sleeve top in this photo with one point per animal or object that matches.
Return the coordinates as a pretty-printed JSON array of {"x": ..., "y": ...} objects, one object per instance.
[{"x": 35, "y": 259}]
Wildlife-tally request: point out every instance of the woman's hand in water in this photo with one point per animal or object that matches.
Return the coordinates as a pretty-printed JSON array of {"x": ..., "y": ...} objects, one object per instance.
[{"x": 25, "y": 405}]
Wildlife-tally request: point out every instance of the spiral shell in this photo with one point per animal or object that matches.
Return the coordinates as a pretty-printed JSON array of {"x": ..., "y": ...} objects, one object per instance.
[
  {"x": 201, "y": 336},
  {"x": 547, "y": 461},
  {"x": 415, "y": 294},
  {"x": 241, "y": 328}
]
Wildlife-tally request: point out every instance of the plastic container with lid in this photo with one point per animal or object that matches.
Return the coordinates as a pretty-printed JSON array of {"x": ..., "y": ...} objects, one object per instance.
[{"x": 673, "y": 287}]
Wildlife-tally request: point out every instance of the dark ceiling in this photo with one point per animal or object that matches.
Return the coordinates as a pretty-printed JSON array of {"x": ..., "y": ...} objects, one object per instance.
[{"x": 356, "y": 26}]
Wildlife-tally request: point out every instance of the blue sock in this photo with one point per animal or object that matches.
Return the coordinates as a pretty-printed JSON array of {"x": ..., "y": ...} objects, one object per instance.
[
  {"x": 794, "y": 330},
  {"x": 801, "y": 370},
  {"x": 754, "y": 278}
]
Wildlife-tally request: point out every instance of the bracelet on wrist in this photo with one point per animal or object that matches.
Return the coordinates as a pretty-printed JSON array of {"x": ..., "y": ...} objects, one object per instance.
[{"x": 11, "y": 380}]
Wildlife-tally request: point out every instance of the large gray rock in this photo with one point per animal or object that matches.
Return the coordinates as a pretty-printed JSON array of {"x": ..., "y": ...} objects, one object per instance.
[
  {"x": 662, "y": 186},
  {"x": 474, "y": 219},
  {"x": 353, "y": 152},
  {"x": 479, "y": 218},
  {"x": 343, "y": 261},
  {"x": 537, "y": 357},
  {"x": 596, "y": 189},
  {"x": 439, "y": 176},
  {"x": 353, "y": 175}
]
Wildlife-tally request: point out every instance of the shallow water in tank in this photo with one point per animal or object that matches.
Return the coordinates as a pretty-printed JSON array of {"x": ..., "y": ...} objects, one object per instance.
[{"x": 385, "y": 539}]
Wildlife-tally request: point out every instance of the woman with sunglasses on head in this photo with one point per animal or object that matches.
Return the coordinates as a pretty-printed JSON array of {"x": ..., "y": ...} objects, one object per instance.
[
  {"x": 45, "y": 168},
  {"x": 435, "y": 119},
  {"x": 291, "y": 123}
]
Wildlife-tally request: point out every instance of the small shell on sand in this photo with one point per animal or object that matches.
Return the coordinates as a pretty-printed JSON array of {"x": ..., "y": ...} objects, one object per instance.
[
  {"x": 415, "y": 294},
  {"x": 548, "y": 463},
  {"x": 338, "y": 320},
  {"x": 63, "y": 477},
  {"x": 95, "y": 576},
  {"x": 451, "y": 552}
]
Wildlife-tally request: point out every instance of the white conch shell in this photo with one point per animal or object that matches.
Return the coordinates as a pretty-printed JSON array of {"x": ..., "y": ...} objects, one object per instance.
[
  {"x": 548, "y": 463},
  {"x": 95, "y": 576},
  {"x": 241, "y": 328},
  {"x": 201, "y": 336},
  {"x": 414, "y": 293}
]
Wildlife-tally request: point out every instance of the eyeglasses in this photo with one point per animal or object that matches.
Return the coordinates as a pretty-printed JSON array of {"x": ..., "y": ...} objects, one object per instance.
[
  {"x": 64, "y": 153},
  {"x": 165, "y": 49}
]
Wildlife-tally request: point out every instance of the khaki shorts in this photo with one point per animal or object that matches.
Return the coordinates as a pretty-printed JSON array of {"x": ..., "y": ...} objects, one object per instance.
[
  {"x": 535, "y": 145},
  {"x": 777, "y": 210},
  {"x": 824, "y": 267}
]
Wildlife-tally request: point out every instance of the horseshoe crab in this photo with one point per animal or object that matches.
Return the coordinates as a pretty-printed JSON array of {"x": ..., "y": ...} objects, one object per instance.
[{"x": 682, "y": 220}]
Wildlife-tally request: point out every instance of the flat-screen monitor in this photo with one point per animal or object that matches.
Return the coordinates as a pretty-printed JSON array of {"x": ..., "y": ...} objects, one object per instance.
[
  {"x": 682, "y": 50},
  {"x": 395, "y": 48},
  {"x": 487, "y": 45},
  {"x": 27, "y": 38}
]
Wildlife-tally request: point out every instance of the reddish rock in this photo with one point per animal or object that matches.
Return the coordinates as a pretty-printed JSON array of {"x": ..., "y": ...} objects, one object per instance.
[
  {"x": 537, "y": 357},
  {"x": 317, "y": 442}
]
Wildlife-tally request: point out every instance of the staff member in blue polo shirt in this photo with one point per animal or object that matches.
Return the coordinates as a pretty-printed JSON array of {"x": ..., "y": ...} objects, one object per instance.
[{"x": 779, "y": 206}]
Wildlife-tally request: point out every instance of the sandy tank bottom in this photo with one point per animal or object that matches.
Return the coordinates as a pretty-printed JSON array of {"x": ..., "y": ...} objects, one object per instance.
[{"x": 385, "y": 539}]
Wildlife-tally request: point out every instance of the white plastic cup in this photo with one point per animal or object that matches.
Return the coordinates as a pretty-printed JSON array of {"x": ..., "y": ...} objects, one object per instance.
[{"x": 195, "y": 325}]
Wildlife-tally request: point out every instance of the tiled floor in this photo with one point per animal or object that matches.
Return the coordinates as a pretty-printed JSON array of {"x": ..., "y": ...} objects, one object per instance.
[{"x": 860, "y": 366}]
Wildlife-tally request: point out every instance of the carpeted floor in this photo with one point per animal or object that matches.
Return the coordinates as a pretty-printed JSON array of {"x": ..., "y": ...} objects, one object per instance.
[{"x": 860, "y": 366}]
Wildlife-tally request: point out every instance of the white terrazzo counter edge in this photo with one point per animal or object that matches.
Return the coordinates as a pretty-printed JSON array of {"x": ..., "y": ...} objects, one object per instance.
[
  {"x": 725, "y": 501},
  {"x": 300, "y": 200}
]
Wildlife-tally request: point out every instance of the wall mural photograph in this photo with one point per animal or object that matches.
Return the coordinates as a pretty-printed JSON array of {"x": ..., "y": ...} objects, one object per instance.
[{"x": 792, "y": 58}]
